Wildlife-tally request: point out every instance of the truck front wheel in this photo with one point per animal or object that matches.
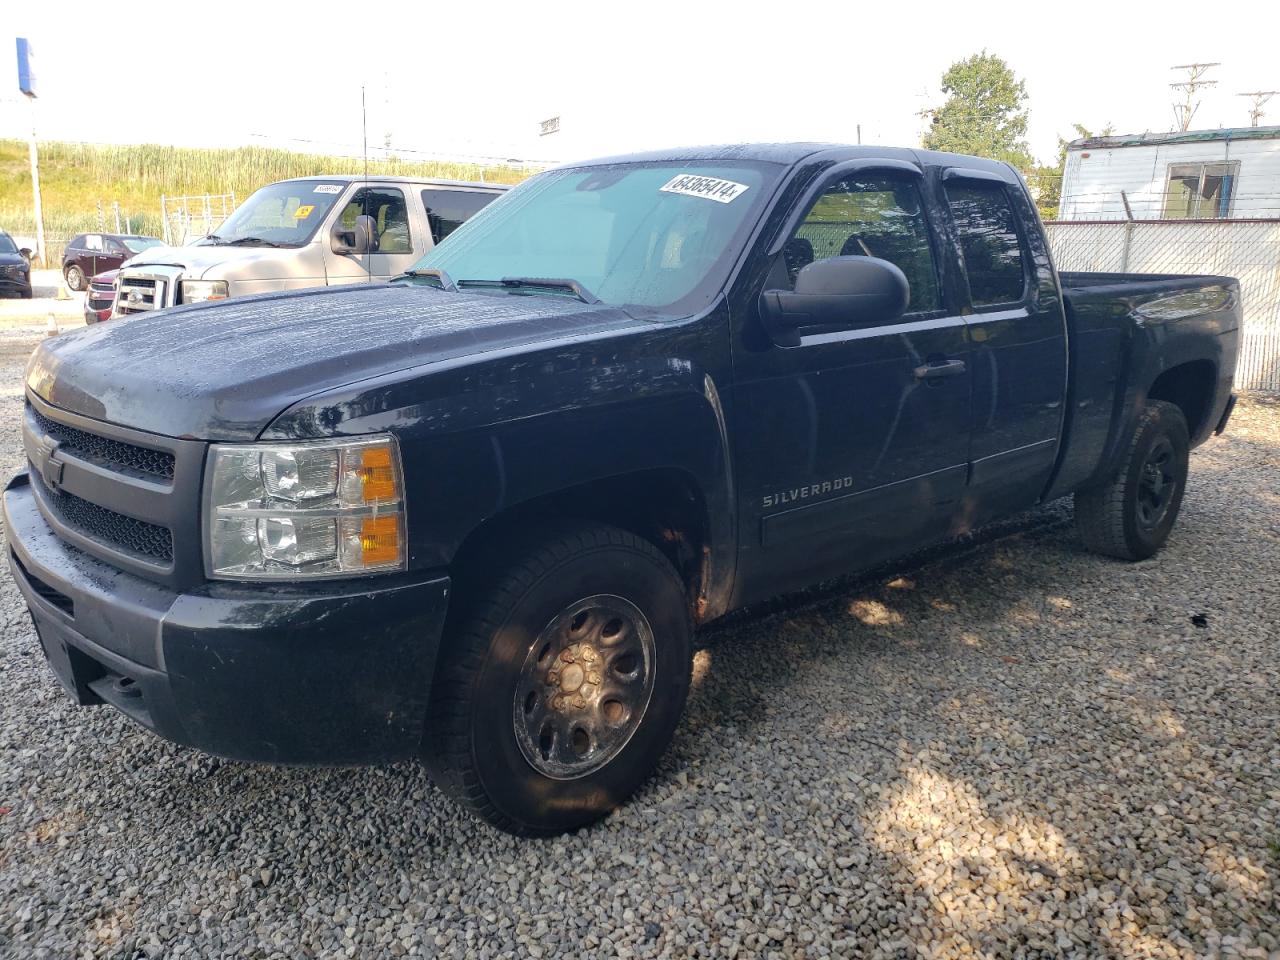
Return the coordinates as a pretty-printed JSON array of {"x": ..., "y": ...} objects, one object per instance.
[
  {"x": 1131, "y": 515},
  {"x": 562, "y": 685}
]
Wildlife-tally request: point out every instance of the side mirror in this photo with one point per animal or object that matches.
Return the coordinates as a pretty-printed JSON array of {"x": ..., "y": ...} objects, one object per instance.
[
  {"x": 361, "y": 238},
  {"x": 839, "y": 293},
  {"x": 26, "y": 252}
]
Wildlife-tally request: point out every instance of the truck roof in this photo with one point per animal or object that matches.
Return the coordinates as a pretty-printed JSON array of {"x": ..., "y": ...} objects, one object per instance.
[
  {"x": 790, "y": 153},
  {"x": 424, "y": 181}
]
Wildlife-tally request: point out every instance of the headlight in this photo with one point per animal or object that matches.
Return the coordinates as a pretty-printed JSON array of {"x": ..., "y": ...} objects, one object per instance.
[
  {"x": 197, "y": 291},
  {"x": 295, "y": 511}
]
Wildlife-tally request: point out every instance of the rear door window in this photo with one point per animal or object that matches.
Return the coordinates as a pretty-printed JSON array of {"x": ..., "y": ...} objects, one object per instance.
[
  {"x": 447, "y": 210},
  {"x": 989, "y": 241}
]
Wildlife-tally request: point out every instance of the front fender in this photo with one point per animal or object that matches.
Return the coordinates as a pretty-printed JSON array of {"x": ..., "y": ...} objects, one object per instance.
[{"x": 480, "y": 437}]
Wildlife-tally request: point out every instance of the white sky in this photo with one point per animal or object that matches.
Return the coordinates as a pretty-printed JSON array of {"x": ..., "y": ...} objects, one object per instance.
[{"x": 476, "y": 78}]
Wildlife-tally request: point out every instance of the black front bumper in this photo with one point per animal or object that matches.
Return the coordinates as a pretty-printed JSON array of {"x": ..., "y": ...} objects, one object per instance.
[
  {"x": 20, "y": 287},
  {"x": 333, "y": 673}
]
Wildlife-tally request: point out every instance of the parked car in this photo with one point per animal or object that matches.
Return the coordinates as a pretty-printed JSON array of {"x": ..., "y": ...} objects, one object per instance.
[
  {"x": 15, "y": 268},
  {"x": 474, "y": 516},
  {"x": 309, "y": 232},
  {"x": 101, "y": 297},
  {"x": 89, "y": 254}
]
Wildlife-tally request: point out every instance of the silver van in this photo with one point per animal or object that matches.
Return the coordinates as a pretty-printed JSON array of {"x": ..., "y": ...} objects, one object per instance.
[{"x": 306, "y": 232}]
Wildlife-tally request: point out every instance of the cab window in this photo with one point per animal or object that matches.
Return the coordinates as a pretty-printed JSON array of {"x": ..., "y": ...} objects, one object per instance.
[
  {"x": 869, "y": 216},
  {"x": 390, "y": 214}
]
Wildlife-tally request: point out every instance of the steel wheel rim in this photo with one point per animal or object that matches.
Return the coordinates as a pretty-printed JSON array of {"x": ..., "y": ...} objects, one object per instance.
[
  {"x": 1157, "y": 483},
  {"x": 584, "y": 687}
]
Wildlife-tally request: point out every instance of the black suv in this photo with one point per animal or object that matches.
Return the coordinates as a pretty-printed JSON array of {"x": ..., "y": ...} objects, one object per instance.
[{"x": 15, "y": 268}]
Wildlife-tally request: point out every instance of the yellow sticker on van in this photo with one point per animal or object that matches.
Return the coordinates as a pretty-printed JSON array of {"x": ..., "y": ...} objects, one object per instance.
[{"x": 303, "y": 211}]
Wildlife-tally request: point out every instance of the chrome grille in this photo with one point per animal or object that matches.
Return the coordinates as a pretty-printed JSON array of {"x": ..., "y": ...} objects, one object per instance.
[
  {"x": 139, "y": 294},
  {"x": 112, "y": 454}
]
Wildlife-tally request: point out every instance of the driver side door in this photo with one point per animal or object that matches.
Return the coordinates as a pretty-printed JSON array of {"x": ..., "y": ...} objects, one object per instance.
[
  {"x": 394, "y": 237},
  {"x": 852, "y": 446}
]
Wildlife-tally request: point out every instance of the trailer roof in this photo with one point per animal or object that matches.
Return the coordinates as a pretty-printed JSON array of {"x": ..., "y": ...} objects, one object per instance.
[{"x": 1188, "y": 136}]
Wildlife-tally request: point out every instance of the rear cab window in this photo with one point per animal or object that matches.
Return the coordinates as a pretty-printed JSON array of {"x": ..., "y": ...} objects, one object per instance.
[{"x": 990, "y": 242}]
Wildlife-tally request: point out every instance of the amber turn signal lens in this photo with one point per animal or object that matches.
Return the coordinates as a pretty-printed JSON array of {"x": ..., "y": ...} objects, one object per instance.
[
  {"x": 380, "y": 540},
  {"x": 377, "y": 475}
]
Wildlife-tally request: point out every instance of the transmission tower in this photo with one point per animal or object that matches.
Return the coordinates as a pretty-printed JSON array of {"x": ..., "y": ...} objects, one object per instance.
[
  {"x": 1183, "y": 112},
  {"x": 1260, "y": 98}
]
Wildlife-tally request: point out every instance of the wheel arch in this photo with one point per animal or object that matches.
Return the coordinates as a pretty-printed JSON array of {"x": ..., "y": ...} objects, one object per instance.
[{"x": 665, "y": 506}]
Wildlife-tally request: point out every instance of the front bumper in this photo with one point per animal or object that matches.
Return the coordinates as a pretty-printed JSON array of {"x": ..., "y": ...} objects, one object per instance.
[
  {"x": 21, "y": 287},
  {"x": 334, "y": 673}
]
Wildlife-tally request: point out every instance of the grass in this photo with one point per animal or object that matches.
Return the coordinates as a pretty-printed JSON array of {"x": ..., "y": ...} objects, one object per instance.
[{"x": 75, "y": 178}]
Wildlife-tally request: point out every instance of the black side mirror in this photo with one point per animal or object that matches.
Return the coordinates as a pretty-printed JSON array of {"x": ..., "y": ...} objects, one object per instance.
[
  {"x": 26, "y": 252},
  {"x": 361, "y": 238},
  {"x": 839, "y": 293}
]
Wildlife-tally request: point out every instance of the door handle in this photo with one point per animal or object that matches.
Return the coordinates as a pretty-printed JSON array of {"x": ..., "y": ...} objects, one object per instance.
[{"x": 934, "y": 371}]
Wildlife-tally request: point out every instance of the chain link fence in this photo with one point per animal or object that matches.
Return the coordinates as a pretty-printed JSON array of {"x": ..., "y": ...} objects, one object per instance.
[
  {"x": 1248, "y": 250},
  {"x": 190, "y": 218}
]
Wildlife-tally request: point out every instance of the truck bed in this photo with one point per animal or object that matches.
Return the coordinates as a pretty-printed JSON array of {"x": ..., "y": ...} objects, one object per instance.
[{"x": 1117, "y": 341}]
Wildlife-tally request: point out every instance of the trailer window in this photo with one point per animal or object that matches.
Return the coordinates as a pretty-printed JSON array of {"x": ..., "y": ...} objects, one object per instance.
[
  {"x": 1200, "y": 190},
  {"x": 989, "y": 243}
]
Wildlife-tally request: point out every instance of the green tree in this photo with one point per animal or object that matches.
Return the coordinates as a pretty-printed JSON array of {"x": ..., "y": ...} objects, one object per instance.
[{"x": 984, "y": 113}]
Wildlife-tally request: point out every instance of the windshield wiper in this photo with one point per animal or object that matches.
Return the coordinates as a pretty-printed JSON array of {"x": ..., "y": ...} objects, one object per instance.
[
  {"x": 247, "y": 240},
  {"x": 431, "y": 273},
  {"x": 214, "y": 237},
  {"x": 537, "y": 283}
]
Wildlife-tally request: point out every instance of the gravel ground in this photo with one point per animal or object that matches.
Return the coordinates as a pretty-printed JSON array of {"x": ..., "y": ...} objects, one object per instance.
[{"x": 1011, "y": 748}]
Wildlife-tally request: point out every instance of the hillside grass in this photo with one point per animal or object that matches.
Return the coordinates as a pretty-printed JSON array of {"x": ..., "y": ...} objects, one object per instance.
[{"x": 75, "y": 177}]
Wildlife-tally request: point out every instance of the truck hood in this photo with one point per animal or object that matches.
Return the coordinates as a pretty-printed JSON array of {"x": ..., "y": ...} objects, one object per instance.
[
  {"x": 224, "y": 371},
  {"x": 196, "y": 261}
]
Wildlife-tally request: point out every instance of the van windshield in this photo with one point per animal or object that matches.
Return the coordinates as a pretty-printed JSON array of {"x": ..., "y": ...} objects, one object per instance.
[
  {"x": 660, "y": 235},
  {"x": 280, "y": 214}
]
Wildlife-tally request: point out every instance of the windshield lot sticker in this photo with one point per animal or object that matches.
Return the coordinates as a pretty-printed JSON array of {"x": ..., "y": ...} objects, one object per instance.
[
  {"x": 709, "y": 188},
  {"x": 303, "y": 211},
  {"x": 328, "y": 188}
]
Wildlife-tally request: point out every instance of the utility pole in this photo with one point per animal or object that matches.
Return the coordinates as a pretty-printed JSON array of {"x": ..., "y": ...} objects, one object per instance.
[
  {"x": 1260, "y": 98},
  {"x": 1185, "y": 111},
  {"x": 27, "y": 86}
]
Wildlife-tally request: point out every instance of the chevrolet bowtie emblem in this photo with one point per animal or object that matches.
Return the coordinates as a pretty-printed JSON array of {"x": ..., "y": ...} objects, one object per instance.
[{"x": 48, "y": 463}]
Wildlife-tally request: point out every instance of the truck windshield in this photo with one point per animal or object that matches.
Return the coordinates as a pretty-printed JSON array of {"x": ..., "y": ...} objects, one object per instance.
[
  {"x": 284, "y": 214},
  {"x": 6, "y": 245},
  {"x": 655, "y": 235}
]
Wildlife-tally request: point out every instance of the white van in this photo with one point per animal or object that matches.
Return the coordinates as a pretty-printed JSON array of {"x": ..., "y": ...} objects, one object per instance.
[{"x": 306, "y": 232}]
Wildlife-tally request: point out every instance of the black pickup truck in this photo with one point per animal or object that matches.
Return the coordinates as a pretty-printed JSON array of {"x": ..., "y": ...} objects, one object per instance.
[{"x": 475, "y": 515}]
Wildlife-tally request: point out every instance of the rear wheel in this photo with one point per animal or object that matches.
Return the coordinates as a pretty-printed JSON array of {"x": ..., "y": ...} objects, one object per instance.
[
  {"x": 562, "y": 685},
  {"x": 75, "y": 277},
  {"x": 1131, "y": 515}
]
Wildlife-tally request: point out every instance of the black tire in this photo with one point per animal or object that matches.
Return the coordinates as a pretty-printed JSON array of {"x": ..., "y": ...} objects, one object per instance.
[
  {"x": 1131, "y": 515},
  {"x": 75, "y": 277},
  {"x": 474, "y": 747}
]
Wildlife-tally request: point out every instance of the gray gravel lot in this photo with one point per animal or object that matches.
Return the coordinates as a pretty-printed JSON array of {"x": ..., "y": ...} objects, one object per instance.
[{"x": 1013, "y": 748}]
